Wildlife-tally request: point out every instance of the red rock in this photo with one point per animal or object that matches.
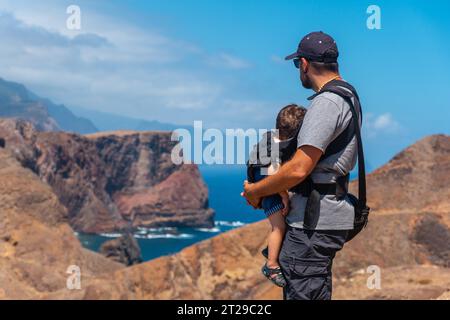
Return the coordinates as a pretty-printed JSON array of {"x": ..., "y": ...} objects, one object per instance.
[{"x": 108, "y": 181}]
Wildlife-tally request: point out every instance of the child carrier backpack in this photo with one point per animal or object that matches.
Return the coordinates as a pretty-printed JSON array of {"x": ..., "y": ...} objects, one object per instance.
[{"x": 313, "y": 191}]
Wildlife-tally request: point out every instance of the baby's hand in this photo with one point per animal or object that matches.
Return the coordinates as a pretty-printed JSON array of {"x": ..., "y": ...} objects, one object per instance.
[{"x": 285, "y": 198}]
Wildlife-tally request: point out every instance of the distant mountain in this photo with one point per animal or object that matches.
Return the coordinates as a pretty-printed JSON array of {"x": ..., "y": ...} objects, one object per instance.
[
  {"x": 16, "y": 101},
  {"x": 110, "y": 122}
]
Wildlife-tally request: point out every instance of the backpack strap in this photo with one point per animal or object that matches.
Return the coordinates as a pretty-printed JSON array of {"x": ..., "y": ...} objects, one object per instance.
[
  {"x": 341, "y": 141},
  {"x": 337, "y": 87}
]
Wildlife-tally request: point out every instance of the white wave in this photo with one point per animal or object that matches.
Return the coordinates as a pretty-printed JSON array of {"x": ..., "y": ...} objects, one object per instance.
[
  {"x": 165, "y": 236},
  {"x": 213, "y": 230},
  {"x": 111, "y": 235},
  {"x": 170, "y": 232},
  {"x": 233, "y": 224},
  {"x": 162, "y": 229}
]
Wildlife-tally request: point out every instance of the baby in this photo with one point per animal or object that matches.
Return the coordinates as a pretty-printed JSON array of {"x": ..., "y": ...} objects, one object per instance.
[{"x": 275, "y": 207}]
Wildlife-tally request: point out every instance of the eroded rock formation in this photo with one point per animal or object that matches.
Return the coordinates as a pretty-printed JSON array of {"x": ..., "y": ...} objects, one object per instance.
[
  {"x": 110, "y": 181},
  {"x": 124, "y": 249}
]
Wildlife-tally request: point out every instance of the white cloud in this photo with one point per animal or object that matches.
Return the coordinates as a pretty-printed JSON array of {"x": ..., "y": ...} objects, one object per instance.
[
  {"x": 385, "y": 123},
  {"x": 277, "y": 59},
  {"x": 230, "y": 61},
  {"x": 126, "y": 70}
]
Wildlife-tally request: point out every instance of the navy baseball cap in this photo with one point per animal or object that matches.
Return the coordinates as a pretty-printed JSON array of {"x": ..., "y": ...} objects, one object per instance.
[{"x": 317, "y": 46}]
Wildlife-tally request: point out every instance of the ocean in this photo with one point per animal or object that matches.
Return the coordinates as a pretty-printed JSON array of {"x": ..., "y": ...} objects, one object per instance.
[{"x": 224, "y": 185}]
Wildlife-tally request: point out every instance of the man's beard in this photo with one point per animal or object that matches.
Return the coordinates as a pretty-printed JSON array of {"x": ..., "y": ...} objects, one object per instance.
[{"x": 306, "y": 81}]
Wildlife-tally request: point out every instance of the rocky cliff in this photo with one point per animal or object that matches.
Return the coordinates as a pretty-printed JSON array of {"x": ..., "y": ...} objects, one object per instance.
[
  {"x": 112, "y": 181},
  {"x": 409, "y": 240}
]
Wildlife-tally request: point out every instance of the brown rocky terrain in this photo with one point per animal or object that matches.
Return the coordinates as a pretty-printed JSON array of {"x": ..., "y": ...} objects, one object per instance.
[
  {"x": 415, "y": 179},
  {"x": 112, "y": 181},
  {"x": 409, "y": 240},
  {"x": 36, "y": 244},
  {"x": 228, "y": 267}
]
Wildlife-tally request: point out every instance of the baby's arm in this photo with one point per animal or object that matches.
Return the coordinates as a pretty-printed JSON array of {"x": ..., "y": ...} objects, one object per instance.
[
  {"x": 272, "y": 169},
  {"x": 285, "y": 198}
]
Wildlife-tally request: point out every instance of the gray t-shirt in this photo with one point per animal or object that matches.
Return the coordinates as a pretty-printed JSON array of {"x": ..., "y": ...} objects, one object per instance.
[{"x": 327, "y": 117}]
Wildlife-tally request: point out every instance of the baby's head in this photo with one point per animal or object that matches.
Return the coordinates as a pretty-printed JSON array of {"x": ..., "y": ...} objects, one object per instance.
[{"x": 289, "y": 119}]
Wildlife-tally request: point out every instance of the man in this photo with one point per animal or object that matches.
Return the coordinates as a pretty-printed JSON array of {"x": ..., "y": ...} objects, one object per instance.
[{"x": 308, "y": 251}]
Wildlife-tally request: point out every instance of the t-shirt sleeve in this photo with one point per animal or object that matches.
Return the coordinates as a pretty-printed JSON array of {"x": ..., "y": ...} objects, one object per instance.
[{"x": 320, "y": 124}]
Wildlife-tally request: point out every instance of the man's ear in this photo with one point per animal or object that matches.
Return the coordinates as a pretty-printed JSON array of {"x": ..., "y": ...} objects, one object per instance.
[{"x": 304, "y": 65}]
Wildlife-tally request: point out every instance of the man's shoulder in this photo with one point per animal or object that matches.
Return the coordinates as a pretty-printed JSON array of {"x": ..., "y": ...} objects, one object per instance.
[
  {"x": 329, "y": 98},
  {"x": 324, "y": 103},
  {"x": 329, "y": 102}
]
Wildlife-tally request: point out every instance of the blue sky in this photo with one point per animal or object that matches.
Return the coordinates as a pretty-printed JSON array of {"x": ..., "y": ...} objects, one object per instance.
[{"x": 221, "y": 61}]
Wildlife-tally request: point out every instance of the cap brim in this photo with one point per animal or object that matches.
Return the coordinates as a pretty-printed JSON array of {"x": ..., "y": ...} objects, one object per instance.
[{"x": 292, "y": 56}]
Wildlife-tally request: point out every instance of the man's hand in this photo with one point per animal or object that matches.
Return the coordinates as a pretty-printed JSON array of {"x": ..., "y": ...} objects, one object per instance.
[
  {"x": 252, "y": 200},
  {"x": 289, "y": 175}
]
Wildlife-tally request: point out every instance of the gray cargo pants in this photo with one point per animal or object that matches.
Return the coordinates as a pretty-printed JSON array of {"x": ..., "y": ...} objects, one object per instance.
[{"x": 306, "y": 259}]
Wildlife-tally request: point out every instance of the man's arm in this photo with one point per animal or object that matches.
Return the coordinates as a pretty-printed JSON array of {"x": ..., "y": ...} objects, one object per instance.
[{"x": 289, "y": 175}]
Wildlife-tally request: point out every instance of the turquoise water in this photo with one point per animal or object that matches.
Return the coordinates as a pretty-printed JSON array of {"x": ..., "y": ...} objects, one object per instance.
[{"x": 225, "y": 185}]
